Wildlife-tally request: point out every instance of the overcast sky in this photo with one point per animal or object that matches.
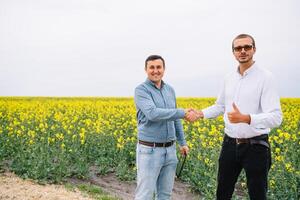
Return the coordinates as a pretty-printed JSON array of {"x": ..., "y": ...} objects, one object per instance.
[{"x": 98, "y": 47}]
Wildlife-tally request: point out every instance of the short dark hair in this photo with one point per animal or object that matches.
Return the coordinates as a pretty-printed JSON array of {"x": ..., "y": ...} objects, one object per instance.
[
  {"x": 244, "y": 36},
  {"x": 154, "y": 57}
]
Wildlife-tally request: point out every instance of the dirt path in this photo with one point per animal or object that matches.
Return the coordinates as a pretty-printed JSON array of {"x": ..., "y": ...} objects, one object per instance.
[
  {"x": 14, "y": 188},
  {"x": 125, "y": 190}
]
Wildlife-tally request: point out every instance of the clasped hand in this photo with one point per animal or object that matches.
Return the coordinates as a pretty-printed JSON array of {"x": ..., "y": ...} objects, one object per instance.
[{"x": 192, "y": 115}]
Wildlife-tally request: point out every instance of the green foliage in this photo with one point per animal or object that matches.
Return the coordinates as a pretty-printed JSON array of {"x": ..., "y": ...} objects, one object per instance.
[{"x": 50, "y": 139}]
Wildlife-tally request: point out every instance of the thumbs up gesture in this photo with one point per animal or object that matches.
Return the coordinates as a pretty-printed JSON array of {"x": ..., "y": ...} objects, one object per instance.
[{"x": 237, "y": 117}]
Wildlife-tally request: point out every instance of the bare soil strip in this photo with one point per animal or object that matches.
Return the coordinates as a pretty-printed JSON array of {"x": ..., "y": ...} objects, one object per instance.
[
  {"x": 125, "y": 190},
  {"x": 14, "y": 188}
]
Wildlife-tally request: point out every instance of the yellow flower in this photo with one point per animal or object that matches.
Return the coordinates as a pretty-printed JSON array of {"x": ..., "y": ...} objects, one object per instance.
[
  {"x": 272, "y": 183},
  {"x": 51, "y": 140},
  {"x": 120, "y": 146},
  {"x": 206, "y": 161},
  {"x": 199, "y": 157},
  {"x": 190, "y": 145},
  {"x": 278, "y": 158},
  {"x": 287, "y": 136},
  {"x": 289, "y": 167},
  {"x": 59, "y": 136}
]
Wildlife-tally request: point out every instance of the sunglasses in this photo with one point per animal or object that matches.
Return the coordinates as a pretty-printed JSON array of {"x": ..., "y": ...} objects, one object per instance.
[{"x": 240, "y": 48}]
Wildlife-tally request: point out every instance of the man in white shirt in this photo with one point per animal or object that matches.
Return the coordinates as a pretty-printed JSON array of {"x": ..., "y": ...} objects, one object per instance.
[{"x": 251, "y": 107}]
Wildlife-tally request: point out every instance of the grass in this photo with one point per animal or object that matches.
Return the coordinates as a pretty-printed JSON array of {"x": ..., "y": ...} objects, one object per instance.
[{"x": 92, "y": 191}]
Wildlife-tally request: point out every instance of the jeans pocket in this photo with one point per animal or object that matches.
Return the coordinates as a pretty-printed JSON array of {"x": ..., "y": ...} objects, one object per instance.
[{"x": 145, "y": 149}]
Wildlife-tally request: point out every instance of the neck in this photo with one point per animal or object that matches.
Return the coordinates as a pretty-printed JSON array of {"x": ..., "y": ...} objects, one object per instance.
[
  {"x": 244, "y": 66},
  {"x": 158, "y": 84}
]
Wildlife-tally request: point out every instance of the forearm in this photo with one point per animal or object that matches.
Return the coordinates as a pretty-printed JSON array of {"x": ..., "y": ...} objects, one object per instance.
[
  {"x": 158, "y": 114},
  {"x": 213, "y": 111}
]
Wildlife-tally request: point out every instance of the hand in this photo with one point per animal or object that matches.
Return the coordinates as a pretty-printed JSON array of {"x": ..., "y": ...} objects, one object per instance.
[
  {"x": 184, "y": 150},
  {"x": 192, "y": 115},
  {"x": 200, "y": 114},
  {"x": 237, "y": 117}
]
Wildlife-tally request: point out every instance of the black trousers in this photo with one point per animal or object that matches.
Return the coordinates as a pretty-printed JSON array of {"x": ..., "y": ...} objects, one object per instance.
[{"x": 255, "y": 159}]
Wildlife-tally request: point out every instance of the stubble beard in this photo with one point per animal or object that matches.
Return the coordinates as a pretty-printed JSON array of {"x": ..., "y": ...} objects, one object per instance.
[{"x": 245, "y": 61}]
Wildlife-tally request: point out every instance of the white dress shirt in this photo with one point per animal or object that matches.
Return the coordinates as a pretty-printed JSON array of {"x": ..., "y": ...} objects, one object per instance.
[{"x": 253, "y": 93}]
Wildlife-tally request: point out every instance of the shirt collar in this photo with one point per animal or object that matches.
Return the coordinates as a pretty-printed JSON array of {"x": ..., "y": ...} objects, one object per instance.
[
  {"x": 249, "y": 70},
  {"x": 148, "y": 81}
]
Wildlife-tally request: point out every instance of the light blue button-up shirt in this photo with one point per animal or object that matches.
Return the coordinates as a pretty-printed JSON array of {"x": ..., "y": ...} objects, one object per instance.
[
  {"x": 157, "y": 116},
  {"x": 254, "y": 93}
]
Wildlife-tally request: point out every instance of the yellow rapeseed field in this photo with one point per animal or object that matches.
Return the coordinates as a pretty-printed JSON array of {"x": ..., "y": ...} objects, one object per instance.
[{"x": 53, "y": 138}]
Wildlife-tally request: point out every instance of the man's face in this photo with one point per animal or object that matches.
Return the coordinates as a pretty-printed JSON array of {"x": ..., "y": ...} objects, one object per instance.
[
  {"x": 243, "y": 50},
  {"x": 155, "y": 70}
]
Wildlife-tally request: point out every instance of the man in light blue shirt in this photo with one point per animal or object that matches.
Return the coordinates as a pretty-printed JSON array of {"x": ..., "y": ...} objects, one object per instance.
[
  {"x": 251, "y": 107},
  {"x": 159, "y": 126}
]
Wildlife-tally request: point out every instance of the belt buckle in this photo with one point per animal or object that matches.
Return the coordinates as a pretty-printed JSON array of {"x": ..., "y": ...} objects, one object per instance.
[
  {"x": 164, "y": 144},
  {"x": 237, "y": 141}
]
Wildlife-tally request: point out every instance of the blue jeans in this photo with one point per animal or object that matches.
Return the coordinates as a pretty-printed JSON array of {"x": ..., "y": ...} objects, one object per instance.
[{"x": 156, "y": 168}]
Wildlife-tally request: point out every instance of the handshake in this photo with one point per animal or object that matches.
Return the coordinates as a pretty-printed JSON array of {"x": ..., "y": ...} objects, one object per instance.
[{"x": 192, "y": 115}]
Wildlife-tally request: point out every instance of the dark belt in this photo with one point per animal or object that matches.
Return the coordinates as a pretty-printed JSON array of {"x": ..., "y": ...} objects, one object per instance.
[
  {"x": 156, "y": 144},
  {"x": 262, "y": 140}
]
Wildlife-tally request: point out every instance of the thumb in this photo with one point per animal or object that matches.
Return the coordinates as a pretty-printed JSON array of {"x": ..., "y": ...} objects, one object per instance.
[{"x": 235, "y": 108}]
